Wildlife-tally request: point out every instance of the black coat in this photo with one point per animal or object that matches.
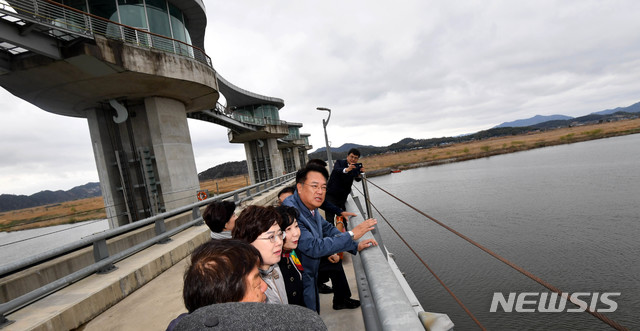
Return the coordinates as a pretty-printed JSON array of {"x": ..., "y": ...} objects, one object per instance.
[
  {"x": 339, "y": 185},
  {"x": 292, "y": 282}
]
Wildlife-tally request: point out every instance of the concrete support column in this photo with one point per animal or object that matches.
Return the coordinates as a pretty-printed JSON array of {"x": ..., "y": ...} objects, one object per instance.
[
  {"x": 173, "y": 152},
  {"x": 277, "y": 162},
  {"x": 107, "y": 173},
  {"x": 250, "y": 163},
  {"x": 296, "y": 158},
  {"x": 145, "y": 163},
  {"x": 304, "y": 157}
]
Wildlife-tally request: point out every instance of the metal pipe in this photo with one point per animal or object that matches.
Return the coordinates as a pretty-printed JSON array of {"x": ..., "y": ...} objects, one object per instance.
[{"x": 326, "y": 139}]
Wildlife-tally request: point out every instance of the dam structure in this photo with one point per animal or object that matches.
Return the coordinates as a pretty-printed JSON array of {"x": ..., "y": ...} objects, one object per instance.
[{"x": 137, "y": 70}]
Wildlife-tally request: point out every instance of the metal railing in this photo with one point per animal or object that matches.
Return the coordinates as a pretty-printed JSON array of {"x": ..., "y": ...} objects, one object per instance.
[
  {"x": 102, "y": 259},
  {"x": 385, "y": 305},
  {"x": 67, "y": 23}
]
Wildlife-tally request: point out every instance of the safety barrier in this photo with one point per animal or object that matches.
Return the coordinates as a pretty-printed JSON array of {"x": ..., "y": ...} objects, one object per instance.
[{"x": 102, "y": 261}]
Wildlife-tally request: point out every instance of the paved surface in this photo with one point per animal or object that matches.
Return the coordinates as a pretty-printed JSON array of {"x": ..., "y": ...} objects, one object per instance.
[{"x": 155, "y": 304}]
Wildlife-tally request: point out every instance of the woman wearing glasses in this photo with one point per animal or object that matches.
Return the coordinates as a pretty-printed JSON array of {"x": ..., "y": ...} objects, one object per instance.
[
  {"x": 290, "y": 264},
  {"x": 258, "y": 226}
]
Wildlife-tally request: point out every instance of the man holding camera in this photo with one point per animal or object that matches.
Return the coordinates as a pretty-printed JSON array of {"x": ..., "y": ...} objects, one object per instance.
[{"x": 341, "y": 179}]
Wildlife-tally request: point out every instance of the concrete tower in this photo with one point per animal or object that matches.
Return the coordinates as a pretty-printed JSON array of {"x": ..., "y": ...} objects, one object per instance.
[
  {"x": 129, "y": 67},
  {"x": 136, "y": 70}
]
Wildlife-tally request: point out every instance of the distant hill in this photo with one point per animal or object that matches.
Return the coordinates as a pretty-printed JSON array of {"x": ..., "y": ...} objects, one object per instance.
[
  {"x": 13, "y": 202},
  {"x": 343, "y": 149},
  {"x": 635, "y": 108},
  {"x": 557, "y": 119},
  {"x": 227, "y": 169},
  {"x": 533, "y": 121}
]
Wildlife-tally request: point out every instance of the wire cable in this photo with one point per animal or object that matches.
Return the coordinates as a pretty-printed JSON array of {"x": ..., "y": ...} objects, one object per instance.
[
  {"x": 598, "y": 315},
  {"x": 430, "y": 270}
]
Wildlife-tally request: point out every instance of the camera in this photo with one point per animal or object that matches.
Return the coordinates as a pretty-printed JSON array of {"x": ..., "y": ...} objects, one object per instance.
[{"x": 358, "y": 165}]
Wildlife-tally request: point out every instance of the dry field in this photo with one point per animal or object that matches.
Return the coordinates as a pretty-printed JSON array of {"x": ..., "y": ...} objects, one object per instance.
[
  {"x": 89, "y": 209},
  {"x": 93, "y": 208},
  {"x": 500, "y": 145}
]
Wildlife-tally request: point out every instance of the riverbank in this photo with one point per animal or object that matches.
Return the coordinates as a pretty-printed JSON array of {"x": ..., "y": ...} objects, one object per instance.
[
  {"x": 93, "y": 208},
  {"x": 383, "y": 164}
]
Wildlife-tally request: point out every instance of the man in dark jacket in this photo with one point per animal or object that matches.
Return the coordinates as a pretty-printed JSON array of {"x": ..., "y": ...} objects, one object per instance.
[
  {"x": 342, "y": 176},
  {"x": 318, "y": 238}
]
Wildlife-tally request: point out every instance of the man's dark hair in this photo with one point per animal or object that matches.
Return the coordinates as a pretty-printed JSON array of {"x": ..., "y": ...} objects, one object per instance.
[
  {"x": 301, "y": 175},
  {"x": 288, "y": 189},
  {"x": 254, "y": 221},
  {"x": 317, "y": 162},
  {"x": 354, "y": 151},
  {"x": 287, "y": 216},
  {"x": 217, "y": 273},
  {"x": 217, "y": 214}
]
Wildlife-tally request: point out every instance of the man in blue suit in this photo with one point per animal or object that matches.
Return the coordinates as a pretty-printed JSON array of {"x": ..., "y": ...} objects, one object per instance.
[
  {"x": 342, "y": 176},
  {"x": 319, "y": 238}
]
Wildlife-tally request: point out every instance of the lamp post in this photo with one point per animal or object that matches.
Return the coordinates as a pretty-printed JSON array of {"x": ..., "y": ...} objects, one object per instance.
[{"x": 326, "y": 140}]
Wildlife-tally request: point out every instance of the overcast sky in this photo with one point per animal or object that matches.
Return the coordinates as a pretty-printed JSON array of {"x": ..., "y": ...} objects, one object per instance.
[{"x": 388, "y": 70}]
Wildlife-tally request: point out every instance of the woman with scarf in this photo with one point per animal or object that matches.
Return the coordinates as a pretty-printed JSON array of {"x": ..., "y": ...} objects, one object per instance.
[
  {"x": 260, "y": 227},
  {"x": 290, "y": 264}
]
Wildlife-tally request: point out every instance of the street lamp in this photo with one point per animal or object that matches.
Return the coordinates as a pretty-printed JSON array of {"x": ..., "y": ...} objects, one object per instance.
[{"x": 326, "y": 140}]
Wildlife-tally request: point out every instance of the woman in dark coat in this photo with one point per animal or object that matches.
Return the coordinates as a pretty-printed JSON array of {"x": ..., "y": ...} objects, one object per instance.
[{"x": 290, "y": 264}]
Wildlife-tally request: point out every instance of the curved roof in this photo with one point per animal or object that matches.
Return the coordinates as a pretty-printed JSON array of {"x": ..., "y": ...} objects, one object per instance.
[
  {"x": 196, "y": 19},
  {"x": 238, "y": 97}
]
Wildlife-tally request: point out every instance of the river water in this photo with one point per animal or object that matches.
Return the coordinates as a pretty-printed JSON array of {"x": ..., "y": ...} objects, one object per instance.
[
  {"x": 568, "y": 214},
  {"x": 18, "y": 245}
]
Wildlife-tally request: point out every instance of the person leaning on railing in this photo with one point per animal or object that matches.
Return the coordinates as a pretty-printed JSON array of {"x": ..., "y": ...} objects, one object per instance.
[{"x": 319, "y": 238}]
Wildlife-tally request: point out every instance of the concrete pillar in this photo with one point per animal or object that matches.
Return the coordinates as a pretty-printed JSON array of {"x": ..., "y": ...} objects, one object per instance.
[
  {"x": 277, "y": 163},
  {"x": 251, "y": 167},
  {"x": 173, "y": 152},
  {"x": 105, "y": 160},
  {"x": 146, "y": 163},
  {"x": 304, "y": 157},
  {"x": 296, "y": 158}
]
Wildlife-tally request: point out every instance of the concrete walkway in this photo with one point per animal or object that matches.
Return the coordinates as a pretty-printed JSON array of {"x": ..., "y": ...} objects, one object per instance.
[
  {"x": 145, "y": 292},
  {"x": 154, "y": 305}
]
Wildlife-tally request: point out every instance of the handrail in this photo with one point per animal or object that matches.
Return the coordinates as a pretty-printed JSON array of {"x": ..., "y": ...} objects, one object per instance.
[
  {"x": 385, "y": 304},
  {"x": 97, "y": 240},
  {"x": 63, "y": 21}
]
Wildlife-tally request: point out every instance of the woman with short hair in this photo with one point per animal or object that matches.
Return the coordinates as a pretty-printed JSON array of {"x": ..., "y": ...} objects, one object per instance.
[
  {"x": 289, "y": 264},
  {"x": 259, "y": 226},
  {"x": 220, "y": 217},
  {"x": 222, "y": 271}
]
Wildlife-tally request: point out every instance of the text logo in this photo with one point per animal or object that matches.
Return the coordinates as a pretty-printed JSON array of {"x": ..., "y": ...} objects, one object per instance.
[{"x": 529, "y": 302}]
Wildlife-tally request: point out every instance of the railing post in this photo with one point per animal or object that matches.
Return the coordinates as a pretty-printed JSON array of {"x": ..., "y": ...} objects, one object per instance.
[
  {"x": 195, "y": 213},
  {"x": 4, "y": 321},
  {"x": 161, "y": 228},
  {"x": 367, "y": 203},
  {"x": 365, "y": 190},
  {"x": 101, "y": 252}
]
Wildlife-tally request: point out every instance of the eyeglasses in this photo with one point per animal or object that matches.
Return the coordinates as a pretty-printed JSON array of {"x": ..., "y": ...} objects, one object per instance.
[
  {"x": 272, "y": 238},
  {"x": 316, "y": 187}
]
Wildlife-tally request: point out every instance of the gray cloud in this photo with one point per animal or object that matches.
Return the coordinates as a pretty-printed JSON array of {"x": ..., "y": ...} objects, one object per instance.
[{"x": 388, "y": 70}]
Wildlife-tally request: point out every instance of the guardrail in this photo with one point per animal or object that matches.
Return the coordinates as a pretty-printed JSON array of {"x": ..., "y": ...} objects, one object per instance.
[
  {"x": 67, "y": 23},
  {"x": 104, "y": 262}
]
